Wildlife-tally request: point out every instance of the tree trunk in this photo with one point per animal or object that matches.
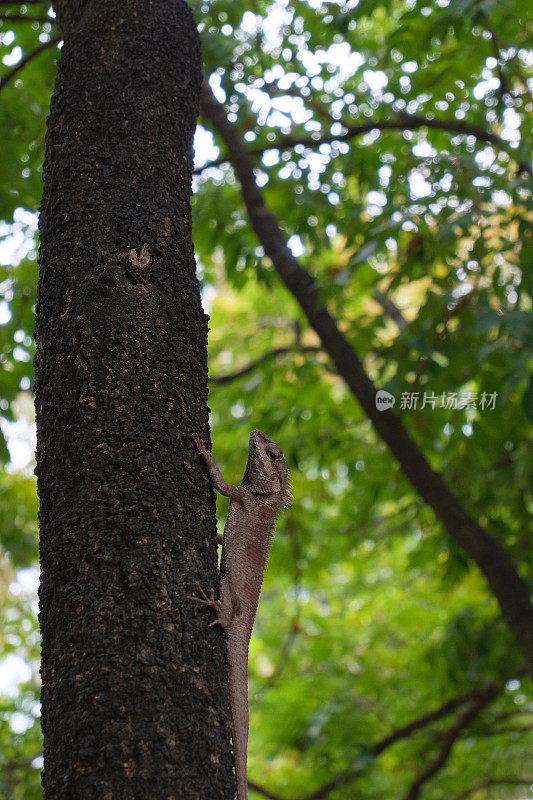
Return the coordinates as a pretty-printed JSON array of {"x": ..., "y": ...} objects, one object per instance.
[{"x": 134, "y": 692}]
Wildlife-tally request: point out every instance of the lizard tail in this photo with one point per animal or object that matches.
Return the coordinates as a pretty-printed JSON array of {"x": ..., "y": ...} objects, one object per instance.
[{"x": 239, "y": 705}]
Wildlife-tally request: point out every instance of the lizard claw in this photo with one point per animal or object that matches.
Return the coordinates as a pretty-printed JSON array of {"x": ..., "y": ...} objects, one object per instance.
[
  {"x": 204, "y": 599},
  {"x": 198, "y": 443},
  {"x": 208, "y": 600}
]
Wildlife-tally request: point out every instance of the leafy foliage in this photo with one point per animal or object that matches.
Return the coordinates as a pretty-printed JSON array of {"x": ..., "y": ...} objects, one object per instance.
[{"x": 370, "y": 617}]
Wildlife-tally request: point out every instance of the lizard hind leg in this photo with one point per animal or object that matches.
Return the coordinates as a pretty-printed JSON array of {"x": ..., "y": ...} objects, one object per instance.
[{"x": 216, "y": 605}]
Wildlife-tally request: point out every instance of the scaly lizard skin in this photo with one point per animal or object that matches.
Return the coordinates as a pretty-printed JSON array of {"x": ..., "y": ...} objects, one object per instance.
[{"x": 254, "y": 506}]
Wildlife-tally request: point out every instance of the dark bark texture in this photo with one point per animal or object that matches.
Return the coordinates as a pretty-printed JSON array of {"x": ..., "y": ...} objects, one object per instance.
[
  {"x": 134, "y": 695},
  {"x": 508, "y": 587}
]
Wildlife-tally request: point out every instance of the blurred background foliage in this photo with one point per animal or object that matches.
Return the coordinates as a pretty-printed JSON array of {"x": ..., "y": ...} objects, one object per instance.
[{"x": 419, "y": 234}]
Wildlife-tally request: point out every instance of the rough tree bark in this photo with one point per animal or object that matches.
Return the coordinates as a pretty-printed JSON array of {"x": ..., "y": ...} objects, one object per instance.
[{"x": 134, "y": 698}]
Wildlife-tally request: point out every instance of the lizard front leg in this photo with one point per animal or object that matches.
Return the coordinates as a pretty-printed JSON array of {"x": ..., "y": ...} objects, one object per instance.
[
  {"x": 224, "y": 614},
  {"x": 238, "y": 493}
]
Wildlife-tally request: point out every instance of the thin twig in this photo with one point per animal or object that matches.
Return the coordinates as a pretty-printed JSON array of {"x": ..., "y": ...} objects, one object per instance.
[
  {"x": 486, "y": 784},
  {"x": 444, "y": 710},
  {"x": 391, "y": 309},
  {"x": 497, "y": 47},
  {"x": 471, "y": 712},
  {"x": 265, "y": 792},
  {"x": 503, "y": 731},
  {"x": 277, "y": 351},
  {"x": 26, "y": 60},
  {"x": 439, "y": 336},
  {"x": 475, "y": 698},
  {"x": 26, "y": 18},
  {"x": 402, "y": 122}
]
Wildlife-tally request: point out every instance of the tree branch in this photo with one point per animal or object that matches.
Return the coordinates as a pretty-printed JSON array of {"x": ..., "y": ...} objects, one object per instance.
[
  {"x": 492, "y": 558},
  {"x": 402, "y": 122},
  {"x": 439, "y": 336},
  {"x": 391, "y": 309},
  {"x": 442, "y": 711},
  {"x": 220, "y": 380},
  {"x": 26, "y": 60},
  {"x": 475, "y": 697},
  {"x": 25, "y": 18},
  {"x": 265, "y": 792},
  {"x": 404, "y": 732},
  {"x": 471, "y": 712},
  {"x": 497, "y": 47}
]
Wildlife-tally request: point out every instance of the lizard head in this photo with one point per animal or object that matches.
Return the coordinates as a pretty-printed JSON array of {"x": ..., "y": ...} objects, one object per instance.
[{"x": 266, "y": 470}]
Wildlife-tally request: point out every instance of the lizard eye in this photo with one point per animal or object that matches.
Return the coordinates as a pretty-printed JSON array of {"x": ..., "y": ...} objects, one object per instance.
[{"x": 271, "y": 453}]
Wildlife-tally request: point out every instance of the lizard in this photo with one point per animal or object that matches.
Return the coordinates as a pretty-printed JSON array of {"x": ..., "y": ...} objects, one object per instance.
[{"x": 254, "y": 506}]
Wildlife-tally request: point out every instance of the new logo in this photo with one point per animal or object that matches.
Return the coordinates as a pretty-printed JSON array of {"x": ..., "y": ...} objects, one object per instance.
[{"x": 384, "y": 400}]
